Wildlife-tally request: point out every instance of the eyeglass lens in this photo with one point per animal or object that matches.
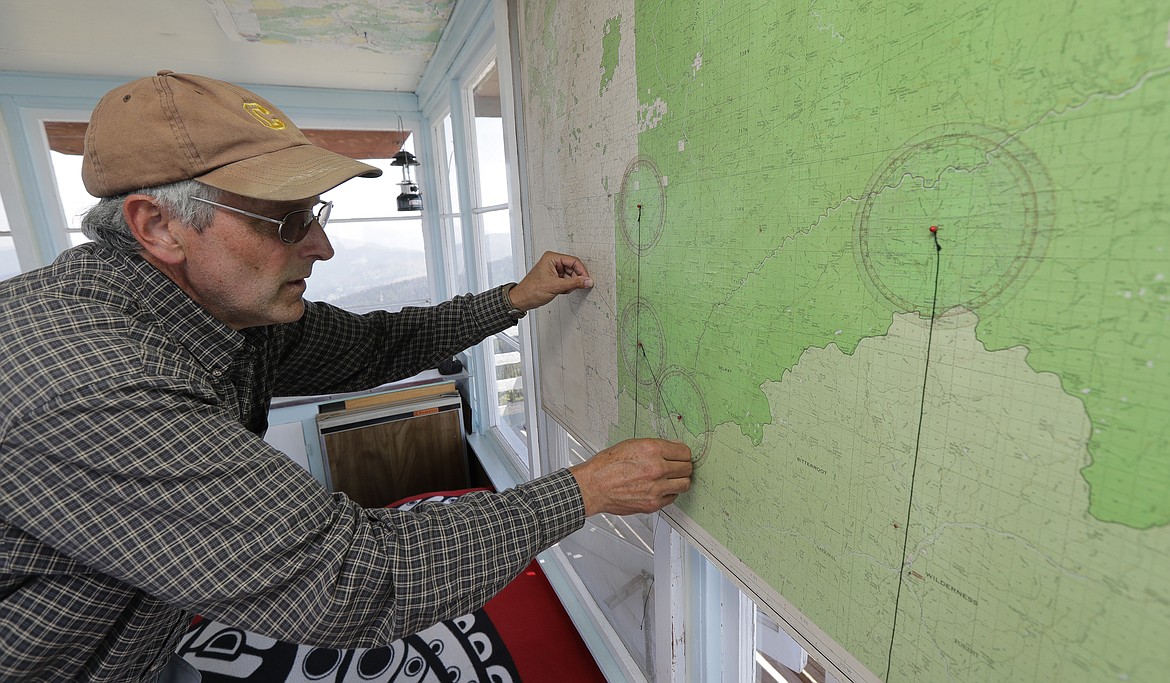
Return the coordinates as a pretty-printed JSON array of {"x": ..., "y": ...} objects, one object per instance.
[{"x": 295, "y": 226}]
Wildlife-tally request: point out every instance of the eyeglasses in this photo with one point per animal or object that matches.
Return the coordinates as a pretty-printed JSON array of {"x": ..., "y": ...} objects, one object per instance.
[{"x": 295, "y": 225}]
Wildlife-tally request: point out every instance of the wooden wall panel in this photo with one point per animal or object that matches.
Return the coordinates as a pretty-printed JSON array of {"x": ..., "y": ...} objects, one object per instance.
[{"x": 378, "y": 464}]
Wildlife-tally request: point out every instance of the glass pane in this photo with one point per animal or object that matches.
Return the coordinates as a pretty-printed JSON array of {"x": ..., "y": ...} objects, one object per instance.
[
  {"x": 75, "y": 201},
  {"x": 497, "y": 247},
  {"x": 373, "y": 197},
  {"x": 452, "y": 170},
  {"x": 509, "y": 386},
  {"x": 9, "y": 265},
  {"x": 492, "y": 166},
  {"x": 367, "y": 197},
  {"x": 512, "y": 334},
  {"x": 457, "y": 263},
  {"x": 777, "y": 656},
  {"x": 613, "y": 556},
  {"x": 377, "y": 265}
]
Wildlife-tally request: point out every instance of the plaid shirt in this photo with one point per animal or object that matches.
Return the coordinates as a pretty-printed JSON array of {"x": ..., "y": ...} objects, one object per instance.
[{"x": 135, "y": 488}]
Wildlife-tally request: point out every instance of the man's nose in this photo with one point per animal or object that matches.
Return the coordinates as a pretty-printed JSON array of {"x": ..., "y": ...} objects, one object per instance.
[{"x": 316, "y": 244}]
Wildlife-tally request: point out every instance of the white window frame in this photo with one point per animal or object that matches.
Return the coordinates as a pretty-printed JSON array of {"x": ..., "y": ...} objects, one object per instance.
[
  {"x": 15, "y": 208},
  {"x": 442, "y": 169},
  {"x": 37, "y": 220},
  {"x": 449, "y": 93},
  {"x": 521, "y": 242},
  {"x": 485, "y": 60}
]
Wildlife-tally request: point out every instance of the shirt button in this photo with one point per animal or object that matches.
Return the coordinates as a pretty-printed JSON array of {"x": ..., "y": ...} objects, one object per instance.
[{"x": 217, "y": 373}]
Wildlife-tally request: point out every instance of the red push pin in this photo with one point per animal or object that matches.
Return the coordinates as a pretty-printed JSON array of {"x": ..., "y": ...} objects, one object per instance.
[{"x": 934, "y": 228}]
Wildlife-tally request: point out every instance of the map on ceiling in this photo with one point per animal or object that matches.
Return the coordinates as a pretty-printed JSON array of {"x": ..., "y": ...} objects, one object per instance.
[
  {"x": 398, "y": 27},
  {"x": 898, "y": 273}
]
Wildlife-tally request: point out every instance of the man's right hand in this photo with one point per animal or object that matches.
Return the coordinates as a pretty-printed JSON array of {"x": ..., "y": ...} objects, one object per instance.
[{"x": 636, "y": 475}]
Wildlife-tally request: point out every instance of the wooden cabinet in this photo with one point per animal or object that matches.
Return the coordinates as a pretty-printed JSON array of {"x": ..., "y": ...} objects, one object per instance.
[{"x": 379, "y": 454}]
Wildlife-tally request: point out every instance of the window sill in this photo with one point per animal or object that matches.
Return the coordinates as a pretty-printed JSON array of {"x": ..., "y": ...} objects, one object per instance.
[{"x": 501, "y": 466}]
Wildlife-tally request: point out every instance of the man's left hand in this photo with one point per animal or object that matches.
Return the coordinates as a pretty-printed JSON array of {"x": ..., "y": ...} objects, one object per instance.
[{"x": 553, "y": 274}]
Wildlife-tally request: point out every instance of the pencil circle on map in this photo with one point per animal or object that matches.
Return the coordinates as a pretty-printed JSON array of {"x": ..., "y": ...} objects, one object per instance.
[
  {"x": 641, "y": 205},
  {"x": 643, "y": 342},
  {"x": 685, "y": 414},
  {"x": 991, "y": 202}
]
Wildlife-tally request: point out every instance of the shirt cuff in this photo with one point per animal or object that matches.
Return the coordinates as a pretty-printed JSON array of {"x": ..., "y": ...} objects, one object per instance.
[
  {"x": 555, "y": 500},
  {"x": 492, "y": 310}
]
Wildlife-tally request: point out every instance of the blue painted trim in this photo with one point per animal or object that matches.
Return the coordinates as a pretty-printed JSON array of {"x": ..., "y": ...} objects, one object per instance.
[
  {"x": 469, "y": 18},
  {"x": 83, "y": 92},
  {"x": 86, "y": 90}
]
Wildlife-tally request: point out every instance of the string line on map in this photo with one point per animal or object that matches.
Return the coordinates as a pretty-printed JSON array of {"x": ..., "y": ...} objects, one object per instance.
[
  {"x": 917, "y": 445},
  {"x": 638, "y": 360},
  {"x": 638, "y": 319},
  {"x": 641, "y": 348}
]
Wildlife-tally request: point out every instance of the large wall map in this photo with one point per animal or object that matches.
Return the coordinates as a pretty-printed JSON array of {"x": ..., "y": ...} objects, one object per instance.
[{"x": 897, "y": 272}]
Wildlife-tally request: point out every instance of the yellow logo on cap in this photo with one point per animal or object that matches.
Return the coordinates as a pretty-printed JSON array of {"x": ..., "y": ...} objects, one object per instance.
[{"x": 262, "y": 115}]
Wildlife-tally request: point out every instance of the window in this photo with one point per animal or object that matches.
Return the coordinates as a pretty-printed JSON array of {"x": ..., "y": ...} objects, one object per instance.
[
  {"x": 472, "y": 162},
  {"x": 9, "y": 265},
  {"x": 74, "y": 199},
  {"x": 450, "y": 219},
  {"x": 492, "y": 220},
  {"x": 380, "y": 258},
  {"x": 614, "y": 557},
  {"x": 728, "y": 637}
]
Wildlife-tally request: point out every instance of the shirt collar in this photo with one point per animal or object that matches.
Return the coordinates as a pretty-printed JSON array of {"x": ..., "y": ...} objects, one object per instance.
[{"x": 211, "y": 342}]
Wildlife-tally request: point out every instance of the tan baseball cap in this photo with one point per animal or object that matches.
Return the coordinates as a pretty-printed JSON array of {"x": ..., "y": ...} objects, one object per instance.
[{"x": 173, "y": 127}]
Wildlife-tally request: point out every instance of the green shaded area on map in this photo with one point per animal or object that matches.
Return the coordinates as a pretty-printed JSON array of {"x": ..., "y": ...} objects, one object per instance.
[
  {"x": 611, "y": 41},
  {"x": 776, "y": 265},
  {"x": 808, "y": 122}
]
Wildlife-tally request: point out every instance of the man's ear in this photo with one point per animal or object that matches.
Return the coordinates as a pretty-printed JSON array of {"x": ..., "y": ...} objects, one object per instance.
[{"x": 152, "y": 226}]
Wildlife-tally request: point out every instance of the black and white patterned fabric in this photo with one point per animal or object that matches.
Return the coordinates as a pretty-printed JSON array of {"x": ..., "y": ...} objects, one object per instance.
[{"x": 467, "y": 649}]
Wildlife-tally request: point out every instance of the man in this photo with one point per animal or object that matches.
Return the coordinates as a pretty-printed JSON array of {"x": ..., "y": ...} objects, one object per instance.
[{"x": 135, "y": 487}]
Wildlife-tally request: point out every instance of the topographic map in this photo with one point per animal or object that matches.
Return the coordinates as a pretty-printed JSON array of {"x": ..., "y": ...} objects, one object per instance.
[
  {"x": 897, "y": 272},
  {"x": 398, "y": 27}
]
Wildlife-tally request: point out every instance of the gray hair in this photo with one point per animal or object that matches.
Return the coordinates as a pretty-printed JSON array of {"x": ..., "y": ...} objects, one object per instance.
[{"x": 105, "y": 224}]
